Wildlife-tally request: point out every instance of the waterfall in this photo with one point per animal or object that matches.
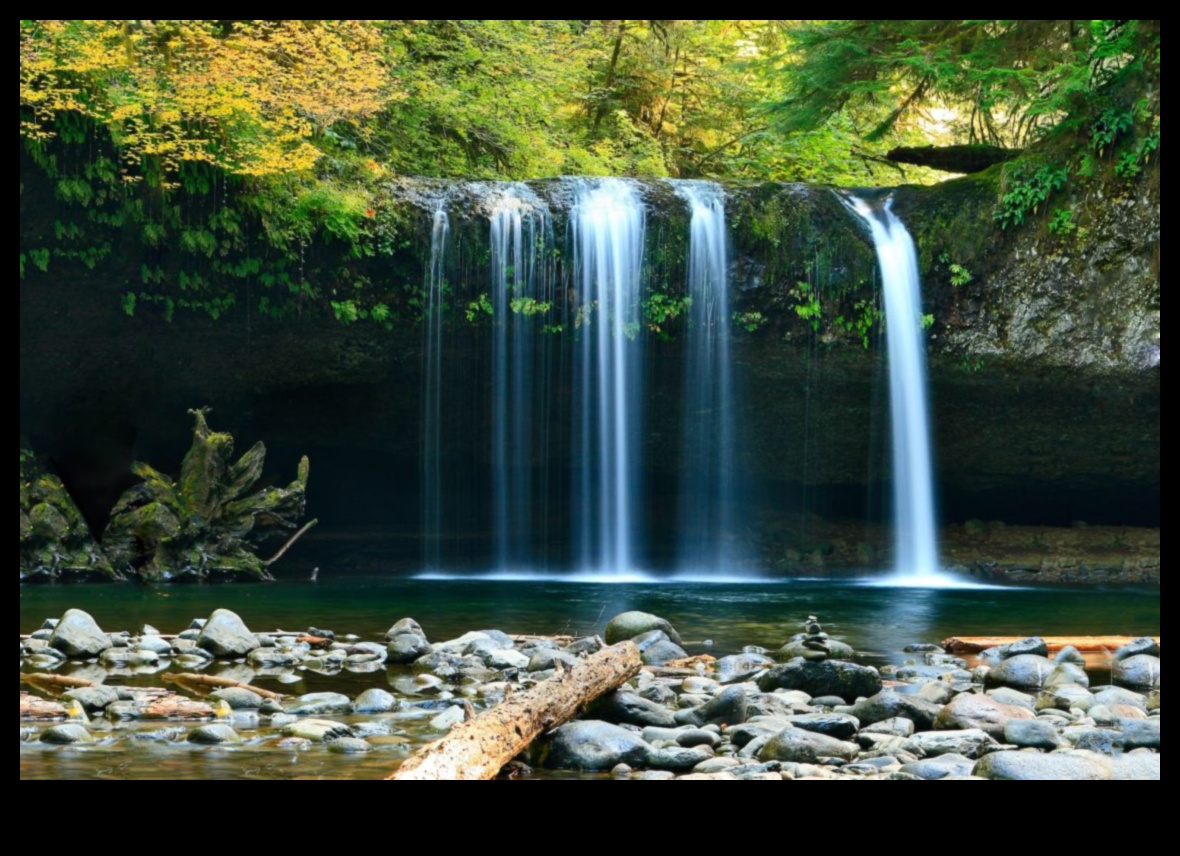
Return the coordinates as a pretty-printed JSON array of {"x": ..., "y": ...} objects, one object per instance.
[
  {"x": 432, "y": 393},
  {"x": 608, "y": 225},
  {"x": 707, "y": 487},
  {"x": 520, "y": 232},
  {"x": 917, "y": 561}
]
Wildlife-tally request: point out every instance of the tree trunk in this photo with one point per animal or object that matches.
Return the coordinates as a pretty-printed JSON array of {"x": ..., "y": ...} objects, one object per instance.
[
  {"x": 478, "y": 749},
  {"x": 964, "y": 159}
]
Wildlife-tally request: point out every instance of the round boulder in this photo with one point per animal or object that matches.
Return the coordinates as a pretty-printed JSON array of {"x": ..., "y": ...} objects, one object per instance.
[
  {"x": 968, "y": 712},
  {"x": 226, "y": 636},
  {"x": 79, "y": 637},
  {"x": 593, "y": 747},
  {"x": 1033, "y": 767},
  {"x": 632, "y": 624},
  {"x": 1140, "y": 672}
]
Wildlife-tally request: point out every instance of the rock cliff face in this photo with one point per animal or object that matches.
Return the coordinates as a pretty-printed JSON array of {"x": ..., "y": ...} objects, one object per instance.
[{"x": 1045, "y": 364}]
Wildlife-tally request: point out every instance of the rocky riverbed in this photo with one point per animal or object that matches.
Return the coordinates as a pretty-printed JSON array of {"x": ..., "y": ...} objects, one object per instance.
[{"x": 808, "y": 711}]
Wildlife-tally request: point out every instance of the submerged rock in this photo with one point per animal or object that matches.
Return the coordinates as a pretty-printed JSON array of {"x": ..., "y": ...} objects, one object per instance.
[
  {"x": 66, "y": 735},
  {"x": 78, "y": 636},
  {"x": 214, "y": 735}
]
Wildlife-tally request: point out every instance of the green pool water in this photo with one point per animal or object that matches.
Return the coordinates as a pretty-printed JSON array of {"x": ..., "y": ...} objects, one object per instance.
[{"x": 878, "y": 622}]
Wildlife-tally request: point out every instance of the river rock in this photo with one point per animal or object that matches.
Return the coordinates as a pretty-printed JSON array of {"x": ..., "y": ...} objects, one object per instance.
[
  {"x": 943, "y": 767},
  {"x": 94, "y": 699},
  {"x": 349, "y": 746},
  {"x": 1153, "y": 704},
  {"x": 1034, "y": 646},
  {"x": 678, "y": 759},
  {"x": 79, "y": 637},
  {"x": 936, "y": 693},
  {"x": 970, "y": 744},
  {"x": 1071, "y": 655},
  {"x": 1145, "y": 647},
  {"x": 845, "y": 680},
  {"x": 592, "y": 747},
  {"x": 899, "y": 727},
  {"x": 657, "y": 649},
  {"x": 625, "y": 708},
  {"x": 1022, "y": 672},
  {"x": 805, "y": 747},
  {"x": 968, "y": 712},
  {"x": 1034, "y": 767},
  {"x": 1144, "y": 734},
  {"x": 893, "y": 705},
  {"x": 320, "y": 704},
  {"x": 630, "y": 625},
  {"x": 729, "y": 707},
  {"x": 155, "y": 645},
  {"x": 317, "y": 730},
  {"x": 546, "y": 660},
  {"x": 742, "y": 667},
  {"x": 1034, "y": 734},
  {"x": 66, "y": 735},
  {"x": 408, "y": 648},
  {"x": 125, "y": 658},
  {"x": 226, "y": 636},
  {"x": 798, "y": 648},
  {"x": 1140, "y": 672},
  {"x": 1112, "y": 697},
  {"x": 214, "y": 735},
  {"x": 1137, "y": 767},
  {"x": 1013, "y": 698},
  {"x": 1066, "y": 698},
  {"x": 375, "y": 701},
  {"x": 405, "y": 627},
  {"x": 841, "y": 726},
  {"x": 1067, "y": 674},
  {"x": 238, "y": 699}
]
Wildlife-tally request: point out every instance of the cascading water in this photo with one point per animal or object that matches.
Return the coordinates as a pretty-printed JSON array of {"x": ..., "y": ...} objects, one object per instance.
[
  {"x": 432, "y": 393},
  {"x": 917, "y": 562},
  {"x": 707, "y": 489},
  {"x": 520, "y": 230},
  {"x": 608, "y": 225}
]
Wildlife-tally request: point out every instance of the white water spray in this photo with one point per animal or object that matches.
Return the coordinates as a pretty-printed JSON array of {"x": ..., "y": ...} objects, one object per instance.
[{"x": 917, "y": 562}]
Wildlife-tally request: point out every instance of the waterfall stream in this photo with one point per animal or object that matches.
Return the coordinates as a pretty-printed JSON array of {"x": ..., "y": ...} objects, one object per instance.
[{"x": 917, "y": 561}]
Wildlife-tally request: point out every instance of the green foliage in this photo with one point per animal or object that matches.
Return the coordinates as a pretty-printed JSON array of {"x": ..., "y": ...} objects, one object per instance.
[
  {"x": 529, "y": 307},
  {"x": 1062, "y": 222},
  {"x": 808, "y": 306},
  {"x": 751, "y": 322},
  {"x": 660, "y": 310},
  {"x": 26, "y": 462},
  {"x": 860, "y": 322},
  {"x": 959, "y": 274},
  {"x": 1027, "y": 189},
  {"x": 927, "y": 322},
  {"x": 480, "y": 308}
]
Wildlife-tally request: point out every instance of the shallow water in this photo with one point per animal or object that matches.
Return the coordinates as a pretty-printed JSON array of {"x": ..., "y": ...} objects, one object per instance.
[{"x": 878, "y": 622}]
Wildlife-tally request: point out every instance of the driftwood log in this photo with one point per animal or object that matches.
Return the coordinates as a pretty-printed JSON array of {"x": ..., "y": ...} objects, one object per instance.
[
  {"x": 477, "y": 750},
  {"x": 206, "y": 685},
  {"x": 1084, "y": 644}
]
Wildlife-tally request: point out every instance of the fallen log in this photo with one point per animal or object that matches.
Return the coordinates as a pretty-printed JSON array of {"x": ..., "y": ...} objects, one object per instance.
[
  {"x": 204, "y": 685},
  {"x": 479, "y": 749},
  {"x": 963, "y": 159},
  {"x": 33, "y": 709},
  {"x": 1084, "y": 644}
]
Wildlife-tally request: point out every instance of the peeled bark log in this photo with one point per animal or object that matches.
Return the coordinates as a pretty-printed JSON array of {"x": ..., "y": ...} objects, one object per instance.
[
  {"x": 963, "y": 159},
  {"x": 206, "y": 684},
  {"x": 478, "y": 750},
  {"x": 1084, "y": 644}
]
